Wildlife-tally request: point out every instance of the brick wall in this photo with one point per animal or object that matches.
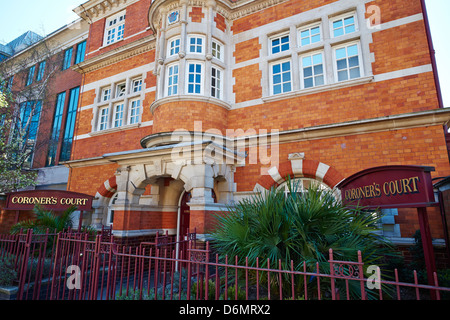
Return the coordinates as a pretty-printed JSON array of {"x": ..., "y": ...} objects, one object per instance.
[
  {"x": 220, "y": 22},
  {"x": 88, "y": 180},
  {"x": 182, "y": 115},
  {"x": 196, "y": 14},
  {"x": 108, "y": 143},
  {"x": 400, "y": 48},
  {"x": 136, "y": 24}
]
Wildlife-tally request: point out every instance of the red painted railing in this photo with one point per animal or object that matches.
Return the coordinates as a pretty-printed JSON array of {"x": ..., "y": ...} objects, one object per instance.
[{"x": 83, "y": 268}]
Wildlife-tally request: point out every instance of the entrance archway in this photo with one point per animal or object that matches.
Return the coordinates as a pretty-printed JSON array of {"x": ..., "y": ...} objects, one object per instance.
[{"x": 185, "y": 214}]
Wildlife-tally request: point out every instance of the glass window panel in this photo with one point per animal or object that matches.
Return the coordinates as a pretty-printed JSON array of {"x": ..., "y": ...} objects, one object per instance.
[
  {"x": 353, "y": 50},
  {"x": 276, "y": 68},
  {"x": 338, "y": 32},
  {"x": 306, "y": 61},
  {"x": 286, "y": 76},
  {"x": 309, "y": 83},
  {"x": 342, "y": 75},
  {"x": 349, "y": 21},
  {"x": 318, "y": 69},
  {"x": 342, "y": 64},
  {"x": 319, "y": 80},
  {"x": 277, "y": 78},
  {"x": 315, "y": 31},
  {"x": 317, "y": 58},
  {"x": 286, "y": 66},
  {"x": 315, "y": 38},
  {"x": 341, "y": 53},
  {"x": 353, "y": 62},
  {"x": 337, "y": 24},
  {"x": 307, "y": 72},
  {"x": 70, "y": 125},
  {"x": 350, "y": 29},
  {"x": 287, "y": 87},
  {"x": 277, "y": 89},
  {"x": 354, "y": 73}
]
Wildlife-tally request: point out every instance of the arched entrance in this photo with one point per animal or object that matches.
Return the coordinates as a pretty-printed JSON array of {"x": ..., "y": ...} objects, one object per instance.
[{"x": 185, "y": 214}]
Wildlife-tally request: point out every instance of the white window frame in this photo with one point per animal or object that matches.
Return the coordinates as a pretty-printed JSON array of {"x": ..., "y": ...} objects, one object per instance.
[
  {"x": 115, "y": 24},
  {"x": 110, "y": 216},
  {"x": 202, "y": 75},
  {"x": 103, "y": 118},
  {"x": 360, "y": 60},
  {"x": 116, "y": 113},
  {"x": 170, "y": 48},
  {"x": 136, "y": 85},
  {"x": 168, "y": 77},
  {"x": 298, "y": 184},
  {"x": 342, "y": 18},
  {"x": 279, "y": 37},
  {"x": 219, "y": 79},
  {"x": 196, "y": 36},
  {"x": 324, "y": 73},
  {"x": 309, "y": 28},
  {"x": 135, "y": 118},
  {"x": 280, "y": 62},
  {"x": 106, "y": 94},
  {"x": 121, "y": 89},
  {"x": 218, "y": 51}
]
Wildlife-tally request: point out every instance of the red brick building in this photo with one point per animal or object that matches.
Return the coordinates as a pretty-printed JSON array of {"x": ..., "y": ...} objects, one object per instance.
[
  {"x": 42, "y": 84},
  {"x": 187, "y": 106}
]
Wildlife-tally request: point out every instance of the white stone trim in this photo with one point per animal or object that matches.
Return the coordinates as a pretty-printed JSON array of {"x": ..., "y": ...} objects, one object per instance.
[
  {"x": 297, "y": 167},
  {"x": 321, "y": 171},
  {"x": 273, "y": 172}
]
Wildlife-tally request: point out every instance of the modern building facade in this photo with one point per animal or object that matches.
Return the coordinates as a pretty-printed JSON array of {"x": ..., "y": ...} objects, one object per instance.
[
  {"x": 36, "y": 72},
  {"x": 187, "y": 106}
]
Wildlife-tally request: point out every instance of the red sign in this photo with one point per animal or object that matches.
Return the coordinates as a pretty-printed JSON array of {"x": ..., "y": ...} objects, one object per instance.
[
  {"x": 48, "y": 199},
  {"x": 389, "y": 187}
]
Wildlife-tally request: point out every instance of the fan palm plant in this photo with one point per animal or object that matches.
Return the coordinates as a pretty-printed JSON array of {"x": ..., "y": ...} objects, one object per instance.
[
  {"x": 299, "y": 227},
  {"x": 46, "y": 220}
]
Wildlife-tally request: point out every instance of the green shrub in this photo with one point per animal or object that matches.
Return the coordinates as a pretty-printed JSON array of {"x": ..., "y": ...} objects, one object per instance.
[
  {"x": 299, "y": 227},
  {"x": 7, "y": 272}
]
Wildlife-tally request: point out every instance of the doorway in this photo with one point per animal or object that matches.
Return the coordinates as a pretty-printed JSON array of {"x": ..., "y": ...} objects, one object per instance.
[{"x": 185, "y": 214}]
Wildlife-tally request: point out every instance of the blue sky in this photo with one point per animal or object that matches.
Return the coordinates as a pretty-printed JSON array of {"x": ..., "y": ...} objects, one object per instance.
[{"x": 46, "y": 16}]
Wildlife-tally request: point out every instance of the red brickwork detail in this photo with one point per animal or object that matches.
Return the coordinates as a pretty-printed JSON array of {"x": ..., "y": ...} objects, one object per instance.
[
  {"x": 196, "y": 14},
  {"x": 247, "y": 50},
  {"x": 88, "y": 179},
  {"x": 119, "y": 67},
  {"x": 136, "y": 25},
  {"x": 400, "y": 48},
  {"x": 144, "y": 220},
  {"x": 182, "y": 115},
  {"x": 373, "y": 100},
  {"x": 84, "y": 121},
  {"x": 285, "y": 170},
  {"x": 333, "y": 177},
  {"x": 309, "y": 170},
  {"x": 395, "y": 9},
  {"x": 248, "y": 85},
  {"x": 220, "y": 22},
  {"x": 88, "y": 98},
  {"x": 97, "y": 146},
  {"x": 275, "y": 13},
  {"x": 111, "y": 190}
]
